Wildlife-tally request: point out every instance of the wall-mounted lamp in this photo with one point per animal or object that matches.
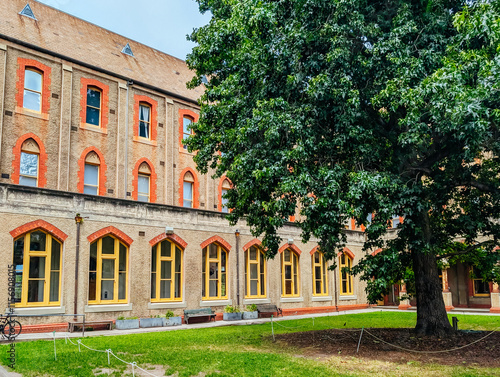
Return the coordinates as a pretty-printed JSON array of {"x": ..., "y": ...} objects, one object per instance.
[
  {"x": 237, "y": 232},
  {"x": 169, "y": 230},
  {"x": 290, "y": 241}
]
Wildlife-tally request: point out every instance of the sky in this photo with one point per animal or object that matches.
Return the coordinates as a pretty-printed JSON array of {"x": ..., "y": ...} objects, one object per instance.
[{"x": 162, "y": 24}]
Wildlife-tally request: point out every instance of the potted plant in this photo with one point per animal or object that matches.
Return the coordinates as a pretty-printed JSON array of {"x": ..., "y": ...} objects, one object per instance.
[
  {"x": 251, "y": 312},
  {"x": 153, "y": 321},
  {"x": 126, "y": 323},
  {"x": 232, "y": 313},
  {"x": 171, "y": 319}
]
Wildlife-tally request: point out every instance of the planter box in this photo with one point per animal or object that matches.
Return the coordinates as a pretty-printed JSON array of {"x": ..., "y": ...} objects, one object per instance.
[
  {"x": 232, "y": 316},
  {"x": 151, "y": 322},
  {"x": 172, "y": 321},
  {"x": 127, "y": 324},
  {"x": 251, "y": 315}
]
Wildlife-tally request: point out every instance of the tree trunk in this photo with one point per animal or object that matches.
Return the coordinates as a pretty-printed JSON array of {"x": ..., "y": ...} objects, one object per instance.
[{"x": 431, "y": 313}]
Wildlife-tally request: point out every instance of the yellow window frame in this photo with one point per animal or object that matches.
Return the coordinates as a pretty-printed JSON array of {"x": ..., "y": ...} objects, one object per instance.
[
  {"x": 261, "y": 275},
  {"x": 27, "y": 254},
  {"x": 295, "y": 277},
  {"x": 220, "y": 273},
  {"x": 116, "y": 257},
  {"x": 323, "y": 278},
  {"x": 156, "y": 279},
  {"x": 346, "y": 262},
  {"x": 478, "y": 281}
]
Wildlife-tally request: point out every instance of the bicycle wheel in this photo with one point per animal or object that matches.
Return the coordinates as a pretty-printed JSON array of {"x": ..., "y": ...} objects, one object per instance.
[{"x": 12, "y": 329}]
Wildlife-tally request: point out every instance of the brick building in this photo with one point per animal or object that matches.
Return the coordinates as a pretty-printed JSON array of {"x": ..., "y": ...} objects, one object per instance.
[{"x": 103, "y": 212}]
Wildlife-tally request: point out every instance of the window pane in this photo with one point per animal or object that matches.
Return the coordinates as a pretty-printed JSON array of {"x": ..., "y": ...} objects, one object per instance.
[
  {"x": 166, "y": 249},
  {"x": 93, "y": 116},
  {"x": 153, "y": 259},
  {"x": 94, "y": 98},
  {"x": 288, "y": 272},
  {"x": 29, "y": 164},
  {"x": 31, "y": 100},
  {"x": 92, "y": 285},
  {"x": 55, "y": 263},
  {"x": 33, "y": 80},
  {"x": 186, "y": 127},
  {"x": 165, "y": 289},
  {"x": 108, "y": 245},
  {"x": 25, "y": 181},
  {"x": 153, "y": 285},
  {"x": 93, "y": 257},
  {"x": 253, "y": 253},
  {"x": 212, "y": 251},
  {"x": 54, "y": 286},
  {"x": 224, "y": 202},
  {"x": 107, "y": 290},
  {"x": 37, "y": 241},
  {"x": 144, "y": 129},
  {"x": 177, "y": 287},
  {"x": 143, "y": 184},
  {"x": 122, "y": 265},
  {"x": 19, "y": 253},
  {"x": 91, "y": 174},
  {"x": 90, "y": 190},
  {"x": 188, "y": 191},
  {"x": 35, "y": 290},
  {"x": 178, "y": 257},
  {"x": 254, "y": 287},
  {"x": 253, "y": 271},
  {"x": 18, "y": 285},
  {"x": 144, "y": 113},
  {"x": 122, "y": 286},
  {"x": 37, "y": 268},
  {"x": 166, "y": 270},
  {"x": 108, "y": 268}
]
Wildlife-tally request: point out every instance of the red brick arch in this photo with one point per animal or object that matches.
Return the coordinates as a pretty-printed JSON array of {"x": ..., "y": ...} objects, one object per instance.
[
  {"x": 16, "y": 162},
  {"x": 254, "y": 242},
  {"x": 347, "y": 252},
  {"x": 39, "y": 224},
  {"x": 291, "y": 247},
  {"x": 376, "y": 252},
  {"x": 316, "y": 248},
  {"x": 114, "y": 232},
  {"x": 216, "y": 239},
  {"x": 172, "y": 237},
  {"x": 102, "y": 170}
]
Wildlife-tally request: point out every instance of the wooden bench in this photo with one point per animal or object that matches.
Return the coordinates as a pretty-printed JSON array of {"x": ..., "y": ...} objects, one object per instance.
[
  {"x": 73, "y": 326},
  {"x": 269, "y": 308},
  {"x": 199, "y": 313}
]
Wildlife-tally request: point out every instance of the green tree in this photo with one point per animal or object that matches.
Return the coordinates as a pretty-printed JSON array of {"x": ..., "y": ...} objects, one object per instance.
[{"x": 350, "y": 107}]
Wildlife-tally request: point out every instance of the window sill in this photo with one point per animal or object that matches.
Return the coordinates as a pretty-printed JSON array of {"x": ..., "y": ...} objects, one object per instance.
[
  {"x": 348, "y": 297},
  {"x": 292, "y": 299},
  {"x": 167, "y": 305},
  {"x": 91, "y": 127},
  {"x": 39, "y": 311},
  {"x": 249, "y": 301},
  {"x": 32, "y": 113},
  {"x": 321, "y": 298},
  {"x": 142, "y": 140},
  {"x": 185, "y": 151},
  {"x": 215, "y": 303},
  {"x": 107, "y": 308}
]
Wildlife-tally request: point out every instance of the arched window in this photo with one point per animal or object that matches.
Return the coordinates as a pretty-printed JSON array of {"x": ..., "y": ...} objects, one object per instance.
[
  {"x": 37, "y": 260},
  {"x": 223, "y": 201},
  {"x": 320, "y": 277},
  {"x": 166, "y": 272},
  {"x": 91, "y": 174},
  {"x": 214, "y": 272},
  {"x": 188, "y": 190},
  {"x": 143, "y": 182},
  {"x": 32, "y": 99},
  {"x": 29, "y": 166},
  {"x": 108, "y": 268},
  {"x": 186, "y": 128},
  {"x": 290, "y": 277},
  {"x": 94, "y": 104},
  {"x": 346, "y": 279},
  {"x": 144, "y": 120},
  {"x": 255, "y": 273}
]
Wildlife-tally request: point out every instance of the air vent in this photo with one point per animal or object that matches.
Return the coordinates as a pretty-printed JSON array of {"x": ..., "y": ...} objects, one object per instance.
[
  {"x": 27, "y": 12},
  {"x": 127, "y": 50}
]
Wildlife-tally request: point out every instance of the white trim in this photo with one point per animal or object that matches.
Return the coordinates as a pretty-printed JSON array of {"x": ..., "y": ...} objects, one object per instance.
[
  {"x": 249, "y": 301},
  {"x": 39, "y": 311},
  {"x": 291, "y": 299},
  {"x": 216, "y": 303},
  {"x": 347, "y": 298},
  {"x": 167, "y": 305},
  {"x": 107, "y": 308},
  {"x": 321, "y": 298}
]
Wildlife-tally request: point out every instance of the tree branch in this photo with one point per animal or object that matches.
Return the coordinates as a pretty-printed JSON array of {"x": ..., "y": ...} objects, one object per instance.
[{"x": 468, "y": 249}]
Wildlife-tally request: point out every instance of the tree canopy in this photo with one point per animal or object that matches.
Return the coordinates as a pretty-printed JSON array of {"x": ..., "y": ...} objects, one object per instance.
[{"x": 344, "y": 108}]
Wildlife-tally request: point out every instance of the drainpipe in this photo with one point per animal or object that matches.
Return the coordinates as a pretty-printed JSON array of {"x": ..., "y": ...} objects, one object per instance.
[
  {"x": 129, "y": 83},
  {"x": 237, "y": 237},
  {"x": 78, "y": 221}
]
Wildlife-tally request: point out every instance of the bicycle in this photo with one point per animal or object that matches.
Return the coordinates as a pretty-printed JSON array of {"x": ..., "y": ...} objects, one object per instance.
[{"x": 9, "y": 328}]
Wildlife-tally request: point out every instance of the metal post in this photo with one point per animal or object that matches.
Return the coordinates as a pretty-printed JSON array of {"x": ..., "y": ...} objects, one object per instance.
[{"x": 360, "y": 336}]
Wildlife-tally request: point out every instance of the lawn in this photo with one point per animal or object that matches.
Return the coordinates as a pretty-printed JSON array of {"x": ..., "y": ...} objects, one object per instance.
[{"x": 233, "y": 351}]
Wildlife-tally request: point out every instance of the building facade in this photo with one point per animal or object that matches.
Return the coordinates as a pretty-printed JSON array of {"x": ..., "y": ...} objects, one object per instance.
[{"x": 103, "y": 211}]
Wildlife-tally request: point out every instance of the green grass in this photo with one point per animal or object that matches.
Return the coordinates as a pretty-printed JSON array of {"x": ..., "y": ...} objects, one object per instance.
[{"x": 229, "y": 351}]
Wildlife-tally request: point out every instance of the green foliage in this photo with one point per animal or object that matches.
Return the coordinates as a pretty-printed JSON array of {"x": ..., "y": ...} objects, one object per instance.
[
  {"x": 231, "y": 309},
  {"x": 169, "y": 314},
  {"x": 251, "y": 308},
  {"x": 122, "y": 318},
  {"x": 347, "y": 108}
]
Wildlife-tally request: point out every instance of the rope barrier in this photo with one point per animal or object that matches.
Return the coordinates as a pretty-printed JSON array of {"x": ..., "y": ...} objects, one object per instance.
[{"x": 109, "y": 352}]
